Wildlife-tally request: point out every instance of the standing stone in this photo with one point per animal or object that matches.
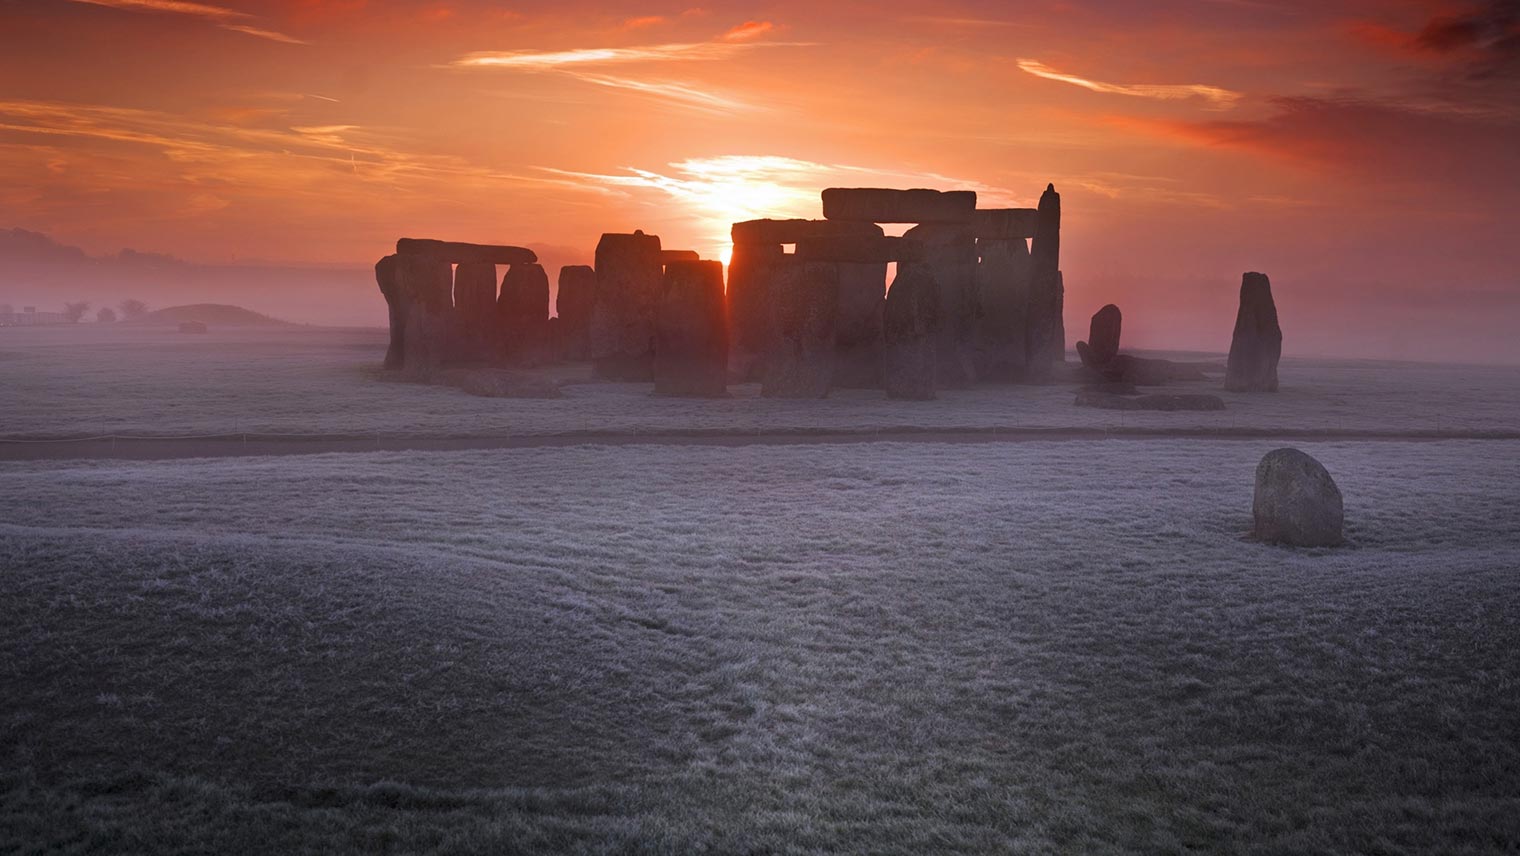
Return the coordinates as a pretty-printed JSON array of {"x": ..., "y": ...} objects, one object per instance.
[
  {"x": 950, "y": 260},
  {"x": 475, "y": 309},
  {"x": 691, "y": 333},
  {"x": 749, "y": 305},
  {"x": 522, "y": 312},
  {"x": 629, "y": 274},
  {"x": 805, "y": 310},
  {"x": 572, "y": 304},
  {"x": 1257, "y": 344},
  {"x": 1046, "y": 339},
  {"x": 912, "y": 320},
  {"x": 385, "y": 277},
  {"x": 1002, "y": 295},
  {"x": 424, "y": 286},
  {"x": 858, "y": 342},
  {"x": 1102, "y": 344},
  {"x": 1296, "y": 501}
]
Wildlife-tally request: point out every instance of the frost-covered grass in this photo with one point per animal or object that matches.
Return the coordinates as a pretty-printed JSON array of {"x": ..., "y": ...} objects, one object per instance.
[
  {"x": 83, "y": 381},
  {"x": 919, "y": 648}
]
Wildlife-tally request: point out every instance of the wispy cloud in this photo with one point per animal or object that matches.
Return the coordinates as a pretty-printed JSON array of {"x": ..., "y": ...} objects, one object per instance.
[
  {"x": 748, "y": 30},
  {"x": 530, "y": 60},
  {"x": 682, "y": 93},
  {"x": 228, "y": 19},
  {"x": 1218, "y": 98}
]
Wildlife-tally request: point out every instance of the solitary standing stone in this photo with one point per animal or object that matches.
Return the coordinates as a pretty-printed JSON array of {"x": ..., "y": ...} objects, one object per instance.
[
  {"x": 1257, "y": 344},
  {"x": 912, "y": 319},
  {"x": 1047, "y": 330},
  {"x": 1102, "y": 343},
  {"x": 424, "y": 286},
  {"x": 691, "y": 333},
  {"x": 805, "y": 299},
  {"x": 1296, "y": 501},
  {"x": 572, "y": 305},
  {"x": 629, "y": 274}
]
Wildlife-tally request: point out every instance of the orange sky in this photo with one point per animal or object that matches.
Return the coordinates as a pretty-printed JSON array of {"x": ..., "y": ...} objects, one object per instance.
[{"x": 1365, "y": 154}]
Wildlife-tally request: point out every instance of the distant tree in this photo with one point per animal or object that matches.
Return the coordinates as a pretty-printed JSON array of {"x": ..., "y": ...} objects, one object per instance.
[
  {"x": 133, "y": 309},
  {"x": 106, "y": 315},
  {"x": 7, "y": 309},
  {"x": 74, "y": 311}
]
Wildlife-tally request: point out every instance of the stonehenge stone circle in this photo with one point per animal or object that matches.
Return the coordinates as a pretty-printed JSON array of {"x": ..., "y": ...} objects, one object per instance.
[
  {"x": 691, "y": 332},
  {"x": 1296, "y": 501},
  {"x": 1046, "y": 338},
  {"x": 805, "y": 309},
  {"x": 629, "y": 274},
  {"x": 1002, "y": 296},
  {"x": 455, "y": 252},
  {"x": 912, "y": 321},
  {"x": 950, "y": 260},
  {"x": 1256, "y": 346},
  {"x": 881, "y": 205}
]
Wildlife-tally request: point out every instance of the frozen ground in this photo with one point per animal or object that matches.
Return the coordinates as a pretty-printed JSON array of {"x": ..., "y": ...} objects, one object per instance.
[
  {"x": 890, "y": 648},
  {"x": 80, "y": 381}
]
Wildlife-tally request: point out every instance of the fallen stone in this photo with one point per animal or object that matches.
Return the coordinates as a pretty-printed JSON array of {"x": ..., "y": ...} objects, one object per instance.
[
  {"x": 1002, "y": 300},
  {"x": 1102, "y": 343},
  {"x": 668, "y": 256},
  {"x": 629, "y": 275},
  {"x": 1004, "y": 224},
  {"x": 881, "y": 205},
  {"x": 805, "y": 299},
  {"x": 1046, "y": 336},
  {"x": 1090, "y": 397},
  {"x": 691, "y": 333},
  {"x": 950, "y": 259},
  {"x": 795, "y": 231},
  {"x": 1144, "y": 371},
  {"x": 458, "y": 253},
  {"x": 1256, "y": 347},
  {"x": 911, "y": 324},
  {"x": 1296, "y": 501},
  {"x": 859, "y": 249}
]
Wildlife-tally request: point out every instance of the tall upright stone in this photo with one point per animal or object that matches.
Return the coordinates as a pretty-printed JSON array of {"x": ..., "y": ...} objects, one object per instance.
[
  {"x": 805, "y": 310},
  {"x": 425, "y": 287},
  {"x": 859, "y": 338},
  {"x": 750, "y": 327},
  {"x": 950, "y": 260},
  {"x": 385, "y": 277},
  {"x": 1046, "y": 338},
  {"x": 522, "y": 312},
  {"x": 1002, "y": 294},
  {"x": 629, "y": 273},
  {"x": 911, "y": 325},
  {"x": 1256, "y": 347},
  {"x": 691, "y": 331},
  {"x": 475, "y": 310},
  {"x": 572, "y": 305},
  {"x": 1102, "y": 344}
]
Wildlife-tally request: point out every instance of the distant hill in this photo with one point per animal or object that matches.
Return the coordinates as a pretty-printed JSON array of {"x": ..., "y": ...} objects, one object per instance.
[{"x": 212, "y": 315}]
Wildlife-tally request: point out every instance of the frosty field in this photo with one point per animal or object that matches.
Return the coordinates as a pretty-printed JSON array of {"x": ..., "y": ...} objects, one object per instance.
[{"x": 909, "y": 648}]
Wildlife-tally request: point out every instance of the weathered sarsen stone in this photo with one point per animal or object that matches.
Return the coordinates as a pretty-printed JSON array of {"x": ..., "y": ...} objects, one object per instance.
[
  {"x": 1004, "y": 224},
  {"x": 882, "y": 205},
  {"x": 796, "y": 231},
  {"x": 1102, "y": 343},
  {"x": 456, "y": 252},
  {"x": 629, "y": 274},
  {"x": 522, "y": 312},
  {"x": 750, "y": 327},
  {"x": 691, "y": 332},
  {"x": 425, "y": 288},
  {"x": 475, "y": 310},
  {"x": 1296, "y": 501},
  {"x": 668, "y": 256},
  {"x": 1256, "y": 346},
  {"x": 912, "y": 319},
  {"x": 385, "y": 277},
  {"x": 572, "y": 305},
  {"x": 950, "y": 260},
  {"x": 1046, "y": 338},
  {"x": 1002, "y": 296},
  {"x": 805, "y": 306}
]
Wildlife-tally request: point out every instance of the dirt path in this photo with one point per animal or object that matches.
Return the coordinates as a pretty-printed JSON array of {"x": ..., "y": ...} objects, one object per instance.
[{"x": 237, "y": 446}]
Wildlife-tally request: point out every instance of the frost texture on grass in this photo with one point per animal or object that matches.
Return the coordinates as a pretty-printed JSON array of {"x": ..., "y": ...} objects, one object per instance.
[
  {"x": 887, "y": 648},
  {"x": 66, "y": 381}
]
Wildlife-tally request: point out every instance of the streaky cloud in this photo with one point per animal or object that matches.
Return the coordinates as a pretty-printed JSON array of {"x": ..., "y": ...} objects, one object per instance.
[
  {"x": 532, "y": 60},
  {"x": 1218, "y": 97},
  {"x": 678, "y": 92}
]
